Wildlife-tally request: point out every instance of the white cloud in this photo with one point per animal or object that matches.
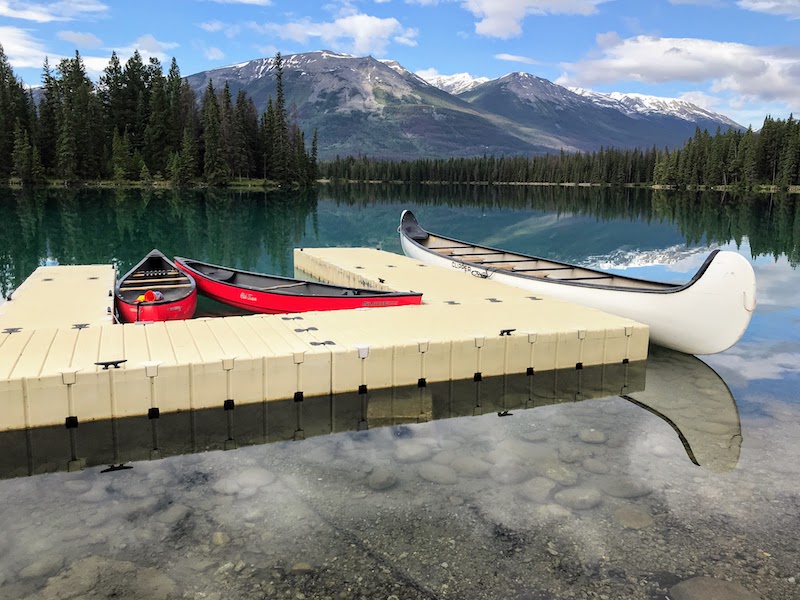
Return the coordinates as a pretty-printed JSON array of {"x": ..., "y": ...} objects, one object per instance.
[
  {"x": 214, "y": 53},
  {"x": 21, "y": 48},
  {"x": 148, "y": 46},
  {"x": 358, "y": 33},
  {"x": 64, "y": 10},
  {"x": 784, "y": 8},
  {"x": 229, "y": 30},
  {"x": 80, "y": 39},
  {"x": 701, "y": 99},
  {"x": 749, "y": 72},
  {"x": 428, "y": 74},
  {"x": 503, "y": 18},
  {"x": 25, "y": 51},
  {"x": 516, "y": 58},
  {"x": 212, "y": 26}
]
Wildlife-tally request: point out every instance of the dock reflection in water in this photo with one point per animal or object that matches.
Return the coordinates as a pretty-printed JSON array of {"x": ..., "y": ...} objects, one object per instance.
[{"x": 680, "y": 389}]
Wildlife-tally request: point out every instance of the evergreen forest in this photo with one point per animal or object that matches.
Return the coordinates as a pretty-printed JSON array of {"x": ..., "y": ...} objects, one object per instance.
[
  {"x": 137, "y": 124},
  {"x": 742, "y": 160}
]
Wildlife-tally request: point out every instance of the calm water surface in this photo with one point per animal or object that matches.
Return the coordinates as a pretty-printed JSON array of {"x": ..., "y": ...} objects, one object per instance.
[{"x": 591, "y": 488}]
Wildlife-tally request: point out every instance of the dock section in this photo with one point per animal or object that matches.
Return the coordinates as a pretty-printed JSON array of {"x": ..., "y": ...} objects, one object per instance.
[
  {"x": 469, "y": 329},
  {"x": 66, "y": 296}
]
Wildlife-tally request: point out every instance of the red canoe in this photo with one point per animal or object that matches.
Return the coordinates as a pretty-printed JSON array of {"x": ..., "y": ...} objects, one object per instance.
[
  {"x": 155, "y": 290},
  {"x": 256, "y": 292}
]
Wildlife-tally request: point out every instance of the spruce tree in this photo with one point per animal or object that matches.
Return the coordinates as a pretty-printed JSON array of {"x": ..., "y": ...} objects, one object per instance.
[{"x": 215, "y": 169}]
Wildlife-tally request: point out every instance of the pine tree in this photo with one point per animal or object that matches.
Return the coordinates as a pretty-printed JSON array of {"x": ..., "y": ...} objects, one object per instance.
[{"x": 215, "y": 169}]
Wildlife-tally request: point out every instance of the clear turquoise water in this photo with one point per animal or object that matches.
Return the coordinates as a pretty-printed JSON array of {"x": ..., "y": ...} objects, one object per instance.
[{"x": 431, "y": 495}]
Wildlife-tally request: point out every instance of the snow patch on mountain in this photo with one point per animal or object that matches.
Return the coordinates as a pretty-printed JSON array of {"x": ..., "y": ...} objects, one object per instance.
[
  {"x": 635, "y": 105},
  {"x": 455, "y": 84}
]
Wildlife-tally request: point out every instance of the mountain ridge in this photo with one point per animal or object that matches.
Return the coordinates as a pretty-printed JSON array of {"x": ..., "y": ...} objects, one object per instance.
[{"x": 364, "y": 106}]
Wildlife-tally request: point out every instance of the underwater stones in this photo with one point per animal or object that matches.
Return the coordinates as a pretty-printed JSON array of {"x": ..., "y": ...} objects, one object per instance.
[
  {"x": 596, "y": 466},
  {"x": 77, "y": 486},
  {"x": 255, "y": 477},
  {"x": 220, "y": 538},
  {"x": 174, "y": 513},
  {"x": 560, "y": 474},
  {"x": 623, "y": 488},
  {"x": 537, "y": 489},
  {"x": 45, "y": 566},
  {"x": 592, "y": 436},
  {"x": 411, "y": 452},
  {"x": 381, "y": 479},
  {"x": 709, "y": 588},
  {"x": 535, "y": 436},
  {"x": 440, "y": 474},
  {"x": 579, "y": 498},
  {"x": 468, "y": 466},
  {"x": 509, "y": 473},
  {"x": 633, "y": 517}
]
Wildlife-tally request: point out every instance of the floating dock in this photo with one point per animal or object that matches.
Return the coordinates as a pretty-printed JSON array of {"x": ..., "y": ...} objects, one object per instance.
[{"x": 68, "y": 370}]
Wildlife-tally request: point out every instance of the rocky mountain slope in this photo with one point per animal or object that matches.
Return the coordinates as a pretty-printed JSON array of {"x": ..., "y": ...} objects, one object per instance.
[{"x": 361, "y": 105}]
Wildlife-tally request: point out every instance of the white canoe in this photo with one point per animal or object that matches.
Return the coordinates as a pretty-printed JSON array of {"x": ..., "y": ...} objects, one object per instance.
[{"x": 704, "y": 316}]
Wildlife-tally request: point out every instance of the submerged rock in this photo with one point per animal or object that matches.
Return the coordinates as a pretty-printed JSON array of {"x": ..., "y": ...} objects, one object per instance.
[{"x": 709, "y": 588}]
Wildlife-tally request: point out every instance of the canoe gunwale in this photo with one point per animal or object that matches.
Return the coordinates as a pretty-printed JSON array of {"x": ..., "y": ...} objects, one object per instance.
[
  {"x": 186, "y": 263},
  {"x": 667, "y": 289}
]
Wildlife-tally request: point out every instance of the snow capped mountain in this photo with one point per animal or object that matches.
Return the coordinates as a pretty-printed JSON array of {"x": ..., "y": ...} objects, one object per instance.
[
  {"x": 380, "y": 108},
  {"x": 456, "y": 84},
  {"x": 641, "y": 104},
  {"x": 530, "y": 87}
]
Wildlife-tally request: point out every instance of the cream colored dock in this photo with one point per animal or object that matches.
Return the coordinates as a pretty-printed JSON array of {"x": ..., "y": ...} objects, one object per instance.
[
  {"x": 468, "y": 329},
  {"x": 62, "y": 296}
]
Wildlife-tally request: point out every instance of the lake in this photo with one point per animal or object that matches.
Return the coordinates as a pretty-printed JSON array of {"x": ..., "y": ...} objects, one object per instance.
[{"x": 681, "y": 478}]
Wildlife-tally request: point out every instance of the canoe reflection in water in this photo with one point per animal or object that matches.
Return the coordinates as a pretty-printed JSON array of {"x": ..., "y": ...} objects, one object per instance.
[{"x": 680, "y": 389}]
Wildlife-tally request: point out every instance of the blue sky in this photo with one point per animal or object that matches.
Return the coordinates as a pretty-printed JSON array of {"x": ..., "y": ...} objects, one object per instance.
[{"x": 738, "y": 57}]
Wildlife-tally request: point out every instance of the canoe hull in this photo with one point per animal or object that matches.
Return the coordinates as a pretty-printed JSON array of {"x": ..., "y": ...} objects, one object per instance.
[
  {"x": 265, "y": 302},
  {"x": 705, "y": 317},
  {"x": 157, "y": 311}
]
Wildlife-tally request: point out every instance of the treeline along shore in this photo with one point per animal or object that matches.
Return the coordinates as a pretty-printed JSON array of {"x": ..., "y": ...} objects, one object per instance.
[
  {"x": 137, "y": 126},
  {"x": 767, "y": 159}
]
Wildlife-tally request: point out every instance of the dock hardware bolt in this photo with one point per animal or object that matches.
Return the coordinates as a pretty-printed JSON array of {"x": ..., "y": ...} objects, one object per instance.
[
  {"x": 298, "y": 396},
  {"x": 153, "y": 413},
  {"x": 529, "y": 372},
  {"x": 477, "y": 377},
  {"x": 306, "y": 330},
  {"x": 111, "y": 363},
  {"x": 292, "y": 318},
  {"x": 325, "y": 343},
  {"x": 71, "y": 423},
  {"x": 452, "y": 302},
  {"x": 80, "y": 325},
  {"x": 362, "y": 389},
  {"x": 506, "y": 331},
  {"x": 229, "y": 404},
  {"x": 421, "y": 383},
  {"x": 12, "y": 329},
  {"x": 578, "y": 366},
  {"x": 625, "y": 361},
  {"x": 505, "y": 413}
]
